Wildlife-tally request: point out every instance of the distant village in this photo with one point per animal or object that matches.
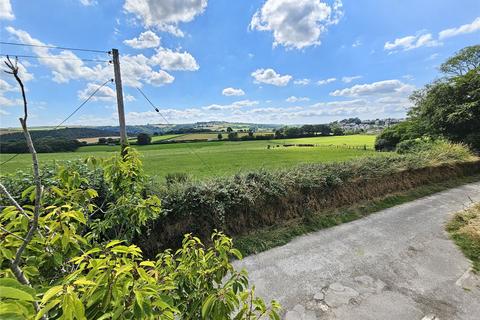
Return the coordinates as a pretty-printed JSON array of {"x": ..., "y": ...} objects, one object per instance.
[{"x": 356, "y": 125}]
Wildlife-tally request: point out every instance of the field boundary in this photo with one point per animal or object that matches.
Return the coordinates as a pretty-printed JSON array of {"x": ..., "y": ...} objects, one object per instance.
[
  {"x": 282, "y": 233},
  {"x": 310, "y": 204}
]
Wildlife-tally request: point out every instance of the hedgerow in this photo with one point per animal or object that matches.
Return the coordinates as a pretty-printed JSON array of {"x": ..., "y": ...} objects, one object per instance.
[{"x": 74, "y": 267}]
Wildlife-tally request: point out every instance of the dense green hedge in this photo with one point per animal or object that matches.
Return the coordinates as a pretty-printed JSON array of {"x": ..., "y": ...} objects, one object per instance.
[
  {"x": 42, "y": 145},
  {"x": 246, "y": 202}
]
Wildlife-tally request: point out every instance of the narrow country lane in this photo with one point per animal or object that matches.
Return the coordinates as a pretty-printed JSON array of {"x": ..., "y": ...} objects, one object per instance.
[{"x": 396, "y": 264}]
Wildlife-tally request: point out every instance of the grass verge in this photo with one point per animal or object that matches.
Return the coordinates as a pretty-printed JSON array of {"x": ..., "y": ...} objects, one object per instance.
[
  {"x": 464, "y": 229},
  {"x": 281, "y": 234}
]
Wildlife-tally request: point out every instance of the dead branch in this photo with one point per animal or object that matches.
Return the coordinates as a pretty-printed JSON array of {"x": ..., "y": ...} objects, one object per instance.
[
  {"x": 12, "y": 199},
  {"x": 15, "y": 264}
]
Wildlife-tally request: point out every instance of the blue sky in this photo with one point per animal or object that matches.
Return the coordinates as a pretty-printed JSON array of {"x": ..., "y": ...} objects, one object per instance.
[{"x": 265, "y": 61}]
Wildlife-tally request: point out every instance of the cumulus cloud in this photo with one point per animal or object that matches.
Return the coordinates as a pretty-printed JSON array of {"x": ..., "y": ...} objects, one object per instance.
[
  {"x": 412, "y": 42},
  {"x": 147, "y": 39},
  {"x": 233, "y": 92},
  {"x": 464, "y": 29},
  {"x": 174, "y": 60},
  {"x": 104, "y": 94},
  {"x": 423, "y": 39},
  {"x": 5, "y": 101},
  {"x": 270, "y": 76},
  {"x": 6, "y": 12},
  {"x": 236, "y": 105},
  {"x": 136, "y": 69},
  {"x": 390, "y": 87},
  {"x": 357, "y": 43},
  {"x": 88, "y": 2},
  {"x": 326, "y": 81},
  {"x": 297, "y": 99},
  {"x": 350, "y": 79},
  {"x": 165, "y": 15},
  {"x": 296, "y": 23},
  {"x": 302, "y": 82}
]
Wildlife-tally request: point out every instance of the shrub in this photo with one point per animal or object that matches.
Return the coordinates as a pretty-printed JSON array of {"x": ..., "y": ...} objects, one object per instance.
[
  {"x": 413, "y": 145},
  {"x": 42, "y": 145},
  {"x": 388, "y": 139},
  {"x": 143, "y": 139},
  {"x": 232, "y": 136},
  {"x": 67, "y": 271},
  {"x": 176, "y": 177},
  {"x": 473, "y": 140},
  {"x": 443, "y": 151},
  {"x": 437, "y": 151}
]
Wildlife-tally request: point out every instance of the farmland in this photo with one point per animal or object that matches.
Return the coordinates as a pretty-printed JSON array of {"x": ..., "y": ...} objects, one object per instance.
[{"x": 204, "y": 159}]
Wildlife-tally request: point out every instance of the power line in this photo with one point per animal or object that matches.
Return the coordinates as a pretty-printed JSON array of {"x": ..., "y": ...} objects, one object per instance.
[
  {"x": 57, "y": 58},
  {"x": 84, "y": 102},
  {"x": 10, "y": 159},
  {"x": 71, "y": 114},
  {"x": 164, "y": 118},
  {"x": 52, "y": 47}
]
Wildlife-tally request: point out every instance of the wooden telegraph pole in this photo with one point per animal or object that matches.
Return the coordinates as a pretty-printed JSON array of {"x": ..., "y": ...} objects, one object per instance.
[{"x": 121, "y": 110}]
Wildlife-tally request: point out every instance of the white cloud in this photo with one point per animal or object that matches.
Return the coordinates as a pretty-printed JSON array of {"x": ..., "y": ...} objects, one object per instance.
[
  {"x": 103, "y": 94},
  {"x": 464, "y": 29},
  {"x": 269, "y": 76},
  {"x": 302, "y": 82},
  {"x": 174, "y": 60},
  {"x": 5, "y": 102},
  {"x": 5, "y": 86},
  {"x": 297, "y": 99},
  {"x": 357, "y": 43},
  {"x": 236, "y": 105},
  {"x": 386, "y": 87},
  {"x": 136, "y": 69},
  {"x": 6, "y": 12},
  {"x": 233, "y": 92},
  {"x": 412, "y": 42},
  {"x": 296, "y": 23},
  {"x": 350, "y": 79},
  {"x": 88, "y": 2},
  {"x": 147, "y": 39},
  {"x": 165, "y": 15},
  {"x": 326, "y": 81}
]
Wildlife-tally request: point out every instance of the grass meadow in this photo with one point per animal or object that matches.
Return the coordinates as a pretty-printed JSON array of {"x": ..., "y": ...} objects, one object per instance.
[{"x": 217, "y": 158}]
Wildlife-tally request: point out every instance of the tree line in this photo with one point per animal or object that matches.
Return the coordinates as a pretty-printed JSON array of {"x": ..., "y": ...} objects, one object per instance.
[
  {"x": 42, "y": 145},
  {"x": 447, "y": 108}
]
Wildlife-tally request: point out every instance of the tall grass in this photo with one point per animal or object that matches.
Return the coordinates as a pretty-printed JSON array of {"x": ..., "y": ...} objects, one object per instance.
[{"x": 464, "y": 229}]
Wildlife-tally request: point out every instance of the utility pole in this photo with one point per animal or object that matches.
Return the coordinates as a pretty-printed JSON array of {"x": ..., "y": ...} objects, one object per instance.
[{"x": 121, "y": 110}]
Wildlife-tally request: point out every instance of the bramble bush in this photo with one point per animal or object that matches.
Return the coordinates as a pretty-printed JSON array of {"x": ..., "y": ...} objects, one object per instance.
[{"x": 74, "y": 270}]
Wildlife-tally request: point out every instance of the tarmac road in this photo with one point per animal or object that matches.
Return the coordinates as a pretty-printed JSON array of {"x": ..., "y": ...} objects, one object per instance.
[{"x": 395, "y": 264}]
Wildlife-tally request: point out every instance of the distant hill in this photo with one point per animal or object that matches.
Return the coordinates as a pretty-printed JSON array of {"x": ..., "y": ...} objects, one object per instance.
[
  {"x": 65, "y": 133},
  {"x": 132, "y": 131}
]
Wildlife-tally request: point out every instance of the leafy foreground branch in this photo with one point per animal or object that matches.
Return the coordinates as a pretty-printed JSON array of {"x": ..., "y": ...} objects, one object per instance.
[{"x": 58, "y": 259}]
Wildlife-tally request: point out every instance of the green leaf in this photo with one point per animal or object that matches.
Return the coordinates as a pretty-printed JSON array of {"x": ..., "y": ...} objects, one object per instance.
[
  {"x": 84, "y": 282},
  {"x": 147, "y": 264},
  {"x": 27, "y": 191},
  {"x": 14, "y": 293},
  {"x": 113, "y": 243},
  {"x": 53, "y": 291},
  {"x": 47, "y": 308},
  {"x": 207, "y": 306}
]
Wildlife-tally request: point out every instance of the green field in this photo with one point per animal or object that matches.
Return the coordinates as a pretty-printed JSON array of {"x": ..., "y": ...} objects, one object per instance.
[
  {"x": 203, "y": 159},
  {"x": 356, "y": 140}
]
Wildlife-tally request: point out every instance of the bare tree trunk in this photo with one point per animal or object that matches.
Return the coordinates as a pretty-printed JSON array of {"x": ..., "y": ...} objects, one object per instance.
[{"x": 15, "y": 264}]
